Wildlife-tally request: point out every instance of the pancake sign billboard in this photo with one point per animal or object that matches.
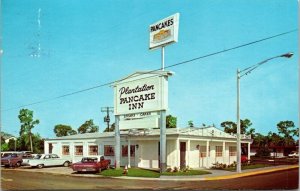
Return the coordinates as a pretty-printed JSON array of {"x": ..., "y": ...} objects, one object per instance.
[
  {"x": 143, "y": 95},
  {"x": 164, "y": 31}
]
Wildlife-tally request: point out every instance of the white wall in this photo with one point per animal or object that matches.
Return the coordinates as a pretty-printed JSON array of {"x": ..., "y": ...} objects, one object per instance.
[{"x": 148, "y": 154}]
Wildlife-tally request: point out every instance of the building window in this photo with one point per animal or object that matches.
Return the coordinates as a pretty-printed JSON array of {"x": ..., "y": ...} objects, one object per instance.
[
  {"x": 50, "y": 148},
  {"x": 93, "y": 150},
  {"x": 78, "y": 150},
  {"x": 109, "y": 150},
  {"x": 125, "y": 150},
  {"x": 65, "y": 150},
  {"x": 219, "y": 151},
  {"x": 203, "y": 151},
  {"x": 232, "y": 151}
]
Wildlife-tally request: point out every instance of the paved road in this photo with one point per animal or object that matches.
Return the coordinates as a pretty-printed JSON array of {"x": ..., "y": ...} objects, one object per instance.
[{"x": 22, "y": 180}]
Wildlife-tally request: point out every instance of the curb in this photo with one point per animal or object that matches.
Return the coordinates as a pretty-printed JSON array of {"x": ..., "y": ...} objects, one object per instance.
[{"x": 250, "y": 173}]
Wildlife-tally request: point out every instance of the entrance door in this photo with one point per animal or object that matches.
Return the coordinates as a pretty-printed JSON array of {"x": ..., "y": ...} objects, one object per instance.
[{"x": 182, "y": 154}]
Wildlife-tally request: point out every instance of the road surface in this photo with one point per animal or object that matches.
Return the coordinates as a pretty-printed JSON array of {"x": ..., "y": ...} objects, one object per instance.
[{"x": 20, "y": 180}]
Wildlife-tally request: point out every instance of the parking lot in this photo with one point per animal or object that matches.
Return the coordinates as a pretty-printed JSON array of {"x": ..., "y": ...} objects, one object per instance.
[{"x": 52, "y": 170}]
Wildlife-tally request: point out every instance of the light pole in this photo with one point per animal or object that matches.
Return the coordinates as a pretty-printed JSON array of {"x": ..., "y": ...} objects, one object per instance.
[{"x": 239, "y": 75}]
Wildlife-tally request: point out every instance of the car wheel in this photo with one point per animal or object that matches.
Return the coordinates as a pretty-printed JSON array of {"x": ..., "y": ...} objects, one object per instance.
[
  {"x": 40, "y": 166},
  {"x": 66, "y": 163},
  {"x": 18, "y": 164}
]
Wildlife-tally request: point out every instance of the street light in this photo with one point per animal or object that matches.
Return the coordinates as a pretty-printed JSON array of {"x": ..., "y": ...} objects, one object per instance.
[{"x": 240, "y": 74}]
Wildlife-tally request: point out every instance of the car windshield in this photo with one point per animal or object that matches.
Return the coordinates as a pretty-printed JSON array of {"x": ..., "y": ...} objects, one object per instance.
[
  {"x": 13, "y": 155},
  {"x": 37, "y": 156},
  {"x": 89, "y": 160}
]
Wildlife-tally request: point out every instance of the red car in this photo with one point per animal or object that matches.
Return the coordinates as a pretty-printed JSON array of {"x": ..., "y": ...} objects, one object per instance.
[
  {"x": 12, "y": 160},
  {"x": 91, "y": 164}
]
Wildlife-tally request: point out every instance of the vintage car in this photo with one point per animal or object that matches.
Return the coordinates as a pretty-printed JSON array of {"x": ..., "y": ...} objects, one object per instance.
[
  {"x": 12, "y": 160},
  {"x": 42, "y": 160},
  {"x": 91, "y": 164},
  {"x": 294, "y": 154}
]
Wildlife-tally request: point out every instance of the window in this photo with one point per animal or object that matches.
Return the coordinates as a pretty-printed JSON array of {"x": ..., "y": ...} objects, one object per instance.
[
  {"x": 65, "y": 150},
  {"x": 78, "y": 150},
  {"x": 203, "y": 151},
  {"x": 125, "y": 150},
  {"x": 93, "y": 150},
  {"x": 232, "y": 151},
  {"x": 219, "y": 151},
  {"x": 109, "y": 150},
  {"x": 54, "y": 156},
  {"x": 50, "y": 148}
]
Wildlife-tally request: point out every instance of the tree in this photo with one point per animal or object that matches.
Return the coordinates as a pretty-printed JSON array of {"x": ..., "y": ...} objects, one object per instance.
[
  {"x": 287, "y": 130},
  {"x": 111, "y": 129},
  {"x": 230, "y": 127},
  {"x": 63, "y": 130},
  {"x": 190, "y": 123},
  {"x": 27, "y": 123},
  {"x": 2, "y": 140},
  {"x": 88, "y": 127},
  {"x": 171, "y": 121}
]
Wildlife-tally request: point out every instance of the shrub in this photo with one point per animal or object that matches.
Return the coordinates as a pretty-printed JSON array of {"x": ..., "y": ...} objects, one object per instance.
[{"x": 175, "y": 169}]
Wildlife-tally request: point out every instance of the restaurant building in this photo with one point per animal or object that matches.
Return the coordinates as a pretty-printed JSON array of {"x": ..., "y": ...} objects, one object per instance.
[{"x": 191, "y": 146}]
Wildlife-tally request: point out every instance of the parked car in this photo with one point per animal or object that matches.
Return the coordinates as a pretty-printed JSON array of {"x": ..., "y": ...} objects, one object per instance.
[
  {"x": 7, "y": 153},
  {"x": 294, "y": 154},
  {"x": 12, "y": 160},
  {"x": 244, "y": 158},
  {"x": 42, "y": 160},
  {"x": 91, "y": 164}
]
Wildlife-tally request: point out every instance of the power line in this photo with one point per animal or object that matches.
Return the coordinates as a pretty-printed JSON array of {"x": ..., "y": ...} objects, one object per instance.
[{"x": 170, "y": 66}]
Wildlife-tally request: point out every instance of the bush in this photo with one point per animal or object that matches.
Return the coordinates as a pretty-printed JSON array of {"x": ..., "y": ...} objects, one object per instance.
[{"x": 262, "y": 152}]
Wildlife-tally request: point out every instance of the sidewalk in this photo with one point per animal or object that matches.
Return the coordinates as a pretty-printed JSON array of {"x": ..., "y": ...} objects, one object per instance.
[
  {"x": 223, "y": 174},
  {"x": 218, "y": 174}
]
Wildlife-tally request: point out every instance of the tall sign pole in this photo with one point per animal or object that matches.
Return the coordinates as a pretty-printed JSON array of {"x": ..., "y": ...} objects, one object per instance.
[
  {"x": 163, "y": 136},
  {"x": 162, "y": 33}
]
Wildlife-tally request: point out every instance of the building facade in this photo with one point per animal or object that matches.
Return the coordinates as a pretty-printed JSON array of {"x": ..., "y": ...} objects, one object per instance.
[{"x": 193, "y": 147}]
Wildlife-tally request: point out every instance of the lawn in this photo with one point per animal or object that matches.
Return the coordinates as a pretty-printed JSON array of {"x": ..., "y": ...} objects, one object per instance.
[
  {"x": 251, "y": 166},
  {"x": 133, "y": 172},
  {"x": 188, "y": 173},
  {"x": 137, "y": 172}
]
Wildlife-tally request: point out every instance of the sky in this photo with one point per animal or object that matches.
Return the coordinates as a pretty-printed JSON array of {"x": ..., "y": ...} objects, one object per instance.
[{"x": 56, "y": 47}]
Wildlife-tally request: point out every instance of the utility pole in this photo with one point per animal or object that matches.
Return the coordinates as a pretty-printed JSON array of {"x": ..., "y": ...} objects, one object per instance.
[
  {"x": 107, "y": 118},
  {"x": 239, "y": 75}
]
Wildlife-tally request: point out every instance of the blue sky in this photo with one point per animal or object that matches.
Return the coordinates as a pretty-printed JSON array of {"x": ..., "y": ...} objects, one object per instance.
[{"x": 89, "y": 43}]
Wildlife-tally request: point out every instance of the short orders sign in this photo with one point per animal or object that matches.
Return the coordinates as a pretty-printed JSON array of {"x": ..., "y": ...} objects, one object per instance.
[
  {"x": 142, "y": 95},
  {"x": 164, "y": 31}
]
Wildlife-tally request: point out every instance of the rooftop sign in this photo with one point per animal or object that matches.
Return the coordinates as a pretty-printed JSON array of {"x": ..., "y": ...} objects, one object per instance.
[{"x": 164, "y": 31}]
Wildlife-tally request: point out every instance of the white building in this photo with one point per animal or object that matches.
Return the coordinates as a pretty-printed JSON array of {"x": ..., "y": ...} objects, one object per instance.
[{"x": 193, "y": 147}]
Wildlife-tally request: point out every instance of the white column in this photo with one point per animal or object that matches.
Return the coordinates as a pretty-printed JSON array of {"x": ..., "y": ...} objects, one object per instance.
[
  {"x": 248, "y": 151},
  {"x": 163, "y": 142},
  {"x": 85, "y": 148},
  {"x": 46, "y": 147},
  {"x": 224, "y": 153},
  {"x": 71, "y": 149},
  {"x": 178, "y": 152},
  {"x": 188, "y": 152},
  {"x": 128, "y": 153},
  {"x": 117, "y": 142},
  {"x": 207, "y": 154}
]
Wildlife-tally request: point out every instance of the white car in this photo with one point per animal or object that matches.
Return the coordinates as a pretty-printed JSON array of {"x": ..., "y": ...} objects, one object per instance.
[
  {"x": 294, "y": 154},
  {"x": 41, "y": 160}
]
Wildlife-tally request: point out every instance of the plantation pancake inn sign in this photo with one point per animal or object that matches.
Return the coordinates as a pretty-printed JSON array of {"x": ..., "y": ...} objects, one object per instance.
[
  {"x": 164, "y": 31},
  {"x": 140, "y": 96}
]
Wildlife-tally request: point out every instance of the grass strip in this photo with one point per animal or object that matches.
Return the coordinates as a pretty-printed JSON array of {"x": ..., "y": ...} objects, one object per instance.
[{"x": 187, "y": 173}]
